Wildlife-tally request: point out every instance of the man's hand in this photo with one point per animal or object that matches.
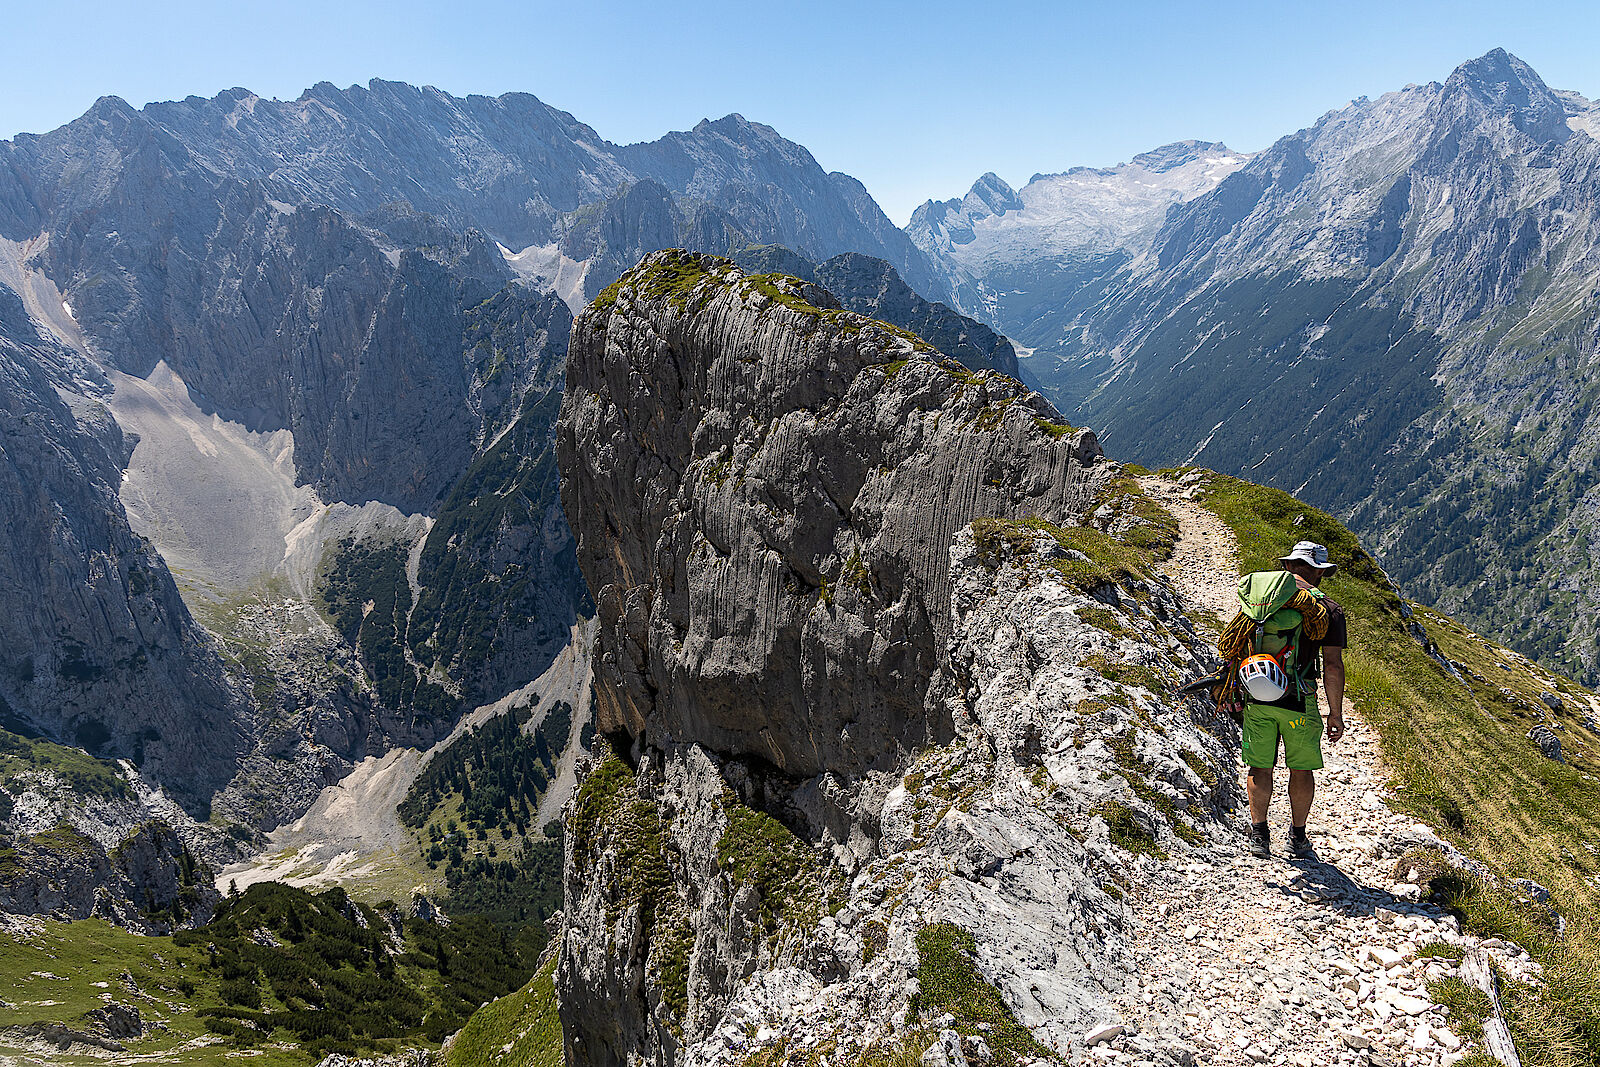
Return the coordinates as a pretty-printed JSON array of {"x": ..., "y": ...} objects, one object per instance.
[
  {"x": 1333, "y": 683},
  {"x": 1335, "y": 726}
]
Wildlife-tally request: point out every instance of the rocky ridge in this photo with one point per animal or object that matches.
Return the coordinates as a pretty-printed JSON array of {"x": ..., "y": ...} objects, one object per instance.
[
  {"x": 1291, "y": 961},
  {"x": 790, "y": 604},
  {"x": 510, "y": 167},
  {"x": 1043, "y": 861},
  {"x": 96, "y": 645}
]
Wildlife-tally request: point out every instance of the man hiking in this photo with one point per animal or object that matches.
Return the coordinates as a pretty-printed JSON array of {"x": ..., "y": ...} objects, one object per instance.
[{"x": 1275, "y": 645}]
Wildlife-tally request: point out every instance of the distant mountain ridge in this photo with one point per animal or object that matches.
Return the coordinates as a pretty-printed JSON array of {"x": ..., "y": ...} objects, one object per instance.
[
  {"x": 285, "y": 373},
  {"x": 1003, "y": 250},
  {"x": 510, "y": 166},
  {"x": 1391, "y": 313}
]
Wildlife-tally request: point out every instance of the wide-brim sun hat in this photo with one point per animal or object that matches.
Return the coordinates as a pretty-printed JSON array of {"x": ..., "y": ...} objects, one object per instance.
[{"x": 1312, "y": 553}]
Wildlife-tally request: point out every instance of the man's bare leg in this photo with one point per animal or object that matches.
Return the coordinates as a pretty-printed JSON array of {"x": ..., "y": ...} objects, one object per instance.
[
  {"x": 1302, "y": 788},
  {"x": 1259, "y": 788}
]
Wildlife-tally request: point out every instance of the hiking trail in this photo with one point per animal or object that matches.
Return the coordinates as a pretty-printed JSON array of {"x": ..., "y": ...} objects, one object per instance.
[
  {"x": 1204, "y": 566},
  {"x": 1283, "y": 961}
]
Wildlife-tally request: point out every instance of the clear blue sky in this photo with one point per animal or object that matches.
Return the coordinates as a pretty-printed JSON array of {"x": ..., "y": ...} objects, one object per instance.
[{"x": 915, "y": 99}]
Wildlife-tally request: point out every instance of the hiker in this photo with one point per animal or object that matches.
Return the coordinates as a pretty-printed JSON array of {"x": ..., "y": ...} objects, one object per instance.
[{"x": 1277, "y": 641}]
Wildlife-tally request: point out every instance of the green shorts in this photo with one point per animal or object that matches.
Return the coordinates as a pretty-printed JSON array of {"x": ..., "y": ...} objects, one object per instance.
[{"x": 1301, "y": 733}]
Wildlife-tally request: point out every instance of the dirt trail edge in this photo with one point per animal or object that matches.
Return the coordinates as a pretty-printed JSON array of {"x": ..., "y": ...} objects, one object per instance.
[{"x": 1280, "y": 961}]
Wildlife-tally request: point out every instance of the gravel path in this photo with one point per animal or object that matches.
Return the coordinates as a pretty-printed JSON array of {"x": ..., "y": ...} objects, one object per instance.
[
  {"x": 1283, "y": 961},
  {"x": 1205, "y": 564}
]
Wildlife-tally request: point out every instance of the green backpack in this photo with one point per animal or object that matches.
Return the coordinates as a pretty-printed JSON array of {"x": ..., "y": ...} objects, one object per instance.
[{"x": 1263, "y": 598}]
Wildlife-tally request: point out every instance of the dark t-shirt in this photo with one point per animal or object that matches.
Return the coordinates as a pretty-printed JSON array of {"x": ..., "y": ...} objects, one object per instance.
[{"x": 1338, "y": 636}]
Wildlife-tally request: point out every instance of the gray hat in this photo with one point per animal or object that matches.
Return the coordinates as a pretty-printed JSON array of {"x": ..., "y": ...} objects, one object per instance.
[{"x": 1312, "y": 553}]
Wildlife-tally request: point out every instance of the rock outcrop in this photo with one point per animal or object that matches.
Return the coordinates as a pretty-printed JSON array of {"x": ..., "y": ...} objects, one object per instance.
[
  {"x": 870, "y": 685},
  {"x": 149, "y": 881},
  {"x": 753, "y": 534}
]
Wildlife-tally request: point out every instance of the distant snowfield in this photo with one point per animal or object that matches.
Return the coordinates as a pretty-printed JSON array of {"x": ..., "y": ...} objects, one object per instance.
[
  {"x": 993, "y": 235},
  {"x": 1092, "y": 210}
]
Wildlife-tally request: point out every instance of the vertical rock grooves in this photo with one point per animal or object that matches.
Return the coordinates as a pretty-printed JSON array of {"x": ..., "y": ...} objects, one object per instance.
[
  {"x": 765, "y": 490},
  {"x": 768, "y": 493}
]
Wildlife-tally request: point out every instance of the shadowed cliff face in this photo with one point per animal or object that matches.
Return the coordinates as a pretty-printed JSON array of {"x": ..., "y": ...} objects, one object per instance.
[
  {"x": 764, "y": 490},
  {"x": 96, "y": 647}
]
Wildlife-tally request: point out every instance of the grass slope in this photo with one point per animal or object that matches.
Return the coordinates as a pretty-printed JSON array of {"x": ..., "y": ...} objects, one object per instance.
[
  {"x": 280, "y": 976},
  {"x": 1461, "y": 762},
  {"x": 73, "y": 968},
  {"x": 521, "y": 1029}
]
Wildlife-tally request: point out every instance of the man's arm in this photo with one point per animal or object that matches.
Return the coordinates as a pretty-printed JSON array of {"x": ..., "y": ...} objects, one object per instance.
[{"x": 1333, "y": 685}]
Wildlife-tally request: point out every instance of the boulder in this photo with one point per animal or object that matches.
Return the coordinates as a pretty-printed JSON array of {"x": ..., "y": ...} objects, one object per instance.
[{"x": 1547, "y": 742}]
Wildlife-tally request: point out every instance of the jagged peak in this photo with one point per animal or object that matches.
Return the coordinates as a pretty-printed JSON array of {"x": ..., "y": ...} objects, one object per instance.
[
  {"x": 1501, "y": 84},
  {"x": 731, "y": 124},
  {"x": 110, "y": 107},
  {"x": 993, "y": 193},
  {"x": 1497, "y": 67}
]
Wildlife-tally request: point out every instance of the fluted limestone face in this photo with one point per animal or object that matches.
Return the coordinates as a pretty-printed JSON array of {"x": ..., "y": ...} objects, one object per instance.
[{"x": 764, "y": 490}]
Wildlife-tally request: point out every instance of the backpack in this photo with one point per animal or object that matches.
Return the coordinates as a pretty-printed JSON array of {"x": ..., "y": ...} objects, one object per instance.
[{"x": 1267, "y": 624}]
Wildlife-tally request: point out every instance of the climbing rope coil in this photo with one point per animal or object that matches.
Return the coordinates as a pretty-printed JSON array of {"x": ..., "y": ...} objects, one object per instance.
[{"x": 1238, "y": 640}]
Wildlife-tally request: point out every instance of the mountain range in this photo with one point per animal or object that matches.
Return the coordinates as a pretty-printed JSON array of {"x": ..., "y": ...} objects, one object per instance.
[
  {"x": 656, "y": 534},
  {"x": 287, "y": 374},
  {"x": 274, "y": 353},
  {"x": 1389, "y": 312}
]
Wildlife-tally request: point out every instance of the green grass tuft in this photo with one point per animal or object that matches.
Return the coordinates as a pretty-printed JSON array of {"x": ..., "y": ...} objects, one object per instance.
[
  {"x": 1469, "y": 1006},
  {"x": 1108, "y": 561},
  {"x": 1127, "y": 832},
  {"x": 948, "y": 980}
]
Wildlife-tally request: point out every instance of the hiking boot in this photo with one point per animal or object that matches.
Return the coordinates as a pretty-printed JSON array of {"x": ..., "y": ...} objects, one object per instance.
[
  {"x": 1299, "y": 843},
  {"x": 1260, "y": 840}
]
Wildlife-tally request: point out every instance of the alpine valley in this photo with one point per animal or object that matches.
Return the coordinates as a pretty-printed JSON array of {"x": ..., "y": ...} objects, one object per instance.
[
  {"x": 474, "y": 593},
  {"x": 1390, "y": 313}
]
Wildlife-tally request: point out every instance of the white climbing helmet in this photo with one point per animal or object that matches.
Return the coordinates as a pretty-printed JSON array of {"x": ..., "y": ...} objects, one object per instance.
[{"x": 1263, "y": 677}]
